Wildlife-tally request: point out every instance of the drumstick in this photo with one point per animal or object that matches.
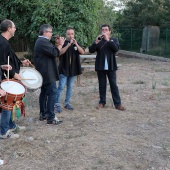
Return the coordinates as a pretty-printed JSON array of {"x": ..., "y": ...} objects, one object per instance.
[
  {"x": 27, "y": 79},
  {"x": 8, "y": 68},
  {"x": 29, "y": 62}
]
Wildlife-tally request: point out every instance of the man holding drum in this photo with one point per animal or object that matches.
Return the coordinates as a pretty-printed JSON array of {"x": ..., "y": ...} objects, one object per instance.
[
  {"x": 45, "y": 54},
  {"x": 7, "y": 55}
]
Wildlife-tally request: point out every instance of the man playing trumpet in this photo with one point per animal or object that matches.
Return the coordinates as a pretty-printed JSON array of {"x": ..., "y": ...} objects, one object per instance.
[{"x": 69, "y": 67}]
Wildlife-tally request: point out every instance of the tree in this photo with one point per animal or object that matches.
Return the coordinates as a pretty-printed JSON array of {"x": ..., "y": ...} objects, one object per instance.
[
  {"x": 83, "y": 15},
  {"x": 139, "y": 13}
]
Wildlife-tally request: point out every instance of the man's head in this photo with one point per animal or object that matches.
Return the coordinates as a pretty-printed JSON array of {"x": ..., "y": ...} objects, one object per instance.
[
  {"x": 8, "y": 28},
  {"x": 105, "y": 29},
  {"x": 70, "y": 33},
  {"x": 46, "y": 30}
]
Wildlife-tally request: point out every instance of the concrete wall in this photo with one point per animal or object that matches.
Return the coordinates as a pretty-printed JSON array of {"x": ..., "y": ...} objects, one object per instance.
[{"x": 124, "y": 53}]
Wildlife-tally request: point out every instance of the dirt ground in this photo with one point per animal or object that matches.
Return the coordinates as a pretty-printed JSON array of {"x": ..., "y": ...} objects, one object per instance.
[{"x": 105, "y": 139}]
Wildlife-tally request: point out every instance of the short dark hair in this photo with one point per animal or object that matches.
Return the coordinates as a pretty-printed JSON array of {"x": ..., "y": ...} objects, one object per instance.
[
  {"x": 106, "y": 25},
  {"x": 5, "y": 24},
  {"x": 44, "y": 28},
  {"x": 70, "y": 28}
]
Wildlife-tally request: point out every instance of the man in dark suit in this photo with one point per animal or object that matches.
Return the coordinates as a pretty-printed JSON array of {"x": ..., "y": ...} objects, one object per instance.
[
  {"x": 106, "y": 66},
  {"x": 45, "y": 54}
]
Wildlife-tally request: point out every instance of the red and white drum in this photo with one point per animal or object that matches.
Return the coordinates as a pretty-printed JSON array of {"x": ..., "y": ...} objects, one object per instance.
[{"x": 15, "y": 91}]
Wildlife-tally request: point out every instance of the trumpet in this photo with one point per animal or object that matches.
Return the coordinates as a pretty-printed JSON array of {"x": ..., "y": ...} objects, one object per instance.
[{"x": 101, "y": 37}]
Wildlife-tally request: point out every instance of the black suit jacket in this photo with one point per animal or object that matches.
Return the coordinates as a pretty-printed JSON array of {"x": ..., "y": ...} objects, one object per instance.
[
  {"x": 5, "y": 51},
  {"x": 105, "y": 48},
  {"x": 45, "y": 54}
]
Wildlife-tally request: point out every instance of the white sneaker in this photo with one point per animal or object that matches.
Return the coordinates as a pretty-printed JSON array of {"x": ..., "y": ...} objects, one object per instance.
[
  {"x": 9, "y": 134},
  {"x": 20, "y": 128}
]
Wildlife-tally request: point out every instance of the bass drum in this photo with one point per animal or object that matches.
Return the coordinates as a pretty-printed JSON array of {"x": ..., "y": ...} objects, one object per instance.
[{"x": 31, "y": 78}]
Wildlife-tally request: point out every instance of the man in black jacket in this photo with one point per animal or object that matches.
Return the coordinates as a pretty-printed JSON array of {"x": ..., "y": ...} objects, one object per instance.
[
  {"x": 8, "y": 30},
  {"x": 69, "y": 67},
  {"x": 45, "y": 54},
  {"x": 105, "y": 65}
]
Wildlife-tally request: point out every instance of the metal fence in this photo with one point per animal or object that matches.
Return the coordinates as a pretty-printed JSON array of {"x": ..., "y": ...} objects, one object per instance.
[{"x": 131, "y": 40}]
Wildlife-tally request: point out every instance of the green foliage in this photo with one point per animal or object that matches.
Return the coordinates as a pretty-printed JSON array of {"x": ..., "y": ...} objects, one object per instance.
[
  {"x": 140, "y": 13},
  {"x": 28, "y": 16}
]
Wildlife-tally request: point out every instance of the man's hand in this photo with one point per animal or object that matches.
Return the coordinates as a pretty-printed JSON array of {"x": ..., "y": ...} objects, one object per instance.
[
  {"x": 6, "y": 67},
  {"x": 2, "y": 92},
  {"x": 98, "y": 39},
  {"x": 26, "y": 62},
  {"x": 74, "y": 41},
  {"x": 106, "y": 36},
  {"x": 17, "y": 76}
]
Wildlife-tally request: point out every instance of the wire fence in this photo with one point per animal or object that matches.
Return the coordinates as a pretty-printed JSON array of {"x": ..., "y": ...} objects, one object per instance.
[{"x": 139, "y": 40}]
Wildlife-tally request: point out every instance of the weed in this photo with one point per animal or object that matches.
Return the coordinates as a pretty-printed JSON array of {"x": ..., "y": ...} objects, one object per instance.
[
  {"x": 119, "y": 167},
  {"x": 164, "y": 147},
  {"x": 153, "y": 83},
  {"x": 100, "y": 161},
  {"x": 139, "y": 82},
  {"x": 166, "y": 82}
]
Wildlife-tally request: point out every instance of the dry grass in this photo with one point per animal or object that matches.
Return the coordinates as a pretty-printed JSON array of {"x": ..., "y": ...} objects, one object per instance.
[{"x": 106, "y": 139}]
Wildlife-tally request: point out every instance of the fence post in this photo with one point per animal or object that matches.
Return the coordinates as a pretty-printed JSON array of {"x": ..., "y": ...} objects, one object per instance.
[
  {"x": 118, "y": 33},
  {"x": 147, "y": 30},
  {"x": 166, "y": 40},
  {"x": 131, "y": 39}
]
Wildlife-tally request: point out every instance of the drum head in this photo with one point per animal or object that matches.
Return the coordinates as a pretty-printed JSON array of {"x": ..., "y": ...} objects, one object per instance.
[
  {"x": 13, "y": 87},
  {"x": 31, "y": 78}
]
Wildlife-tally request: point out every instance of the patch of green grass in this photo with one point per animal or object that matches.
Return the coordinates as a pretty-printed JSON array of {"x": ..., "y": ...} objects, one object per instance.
[
  {"x": 164, "y": 147},
  {"x": 139, "y": 82},
  {"x": 100, "y": 161},
  {"x": 166, "y": 81},
  {"x": 119, "y": 166}
]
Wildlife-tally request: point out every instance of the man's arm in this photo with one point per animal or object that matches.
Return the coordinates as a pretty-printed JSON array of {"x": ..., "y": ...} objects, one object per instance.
[
  {"x": 93, "y": 47},
  {"x": 114, "y": 44},
  {"x": 80, "y": 49},
  {"x": 48, "y": 48},
  {"x": 63, "y": 50}
]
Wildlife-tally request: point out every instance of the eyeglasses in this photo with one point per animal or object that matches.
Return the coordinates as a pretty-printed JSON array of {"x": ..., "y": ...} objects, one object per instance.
[
  {"x": 105, "y": 29},
  {"x": 49, "y": 31}
]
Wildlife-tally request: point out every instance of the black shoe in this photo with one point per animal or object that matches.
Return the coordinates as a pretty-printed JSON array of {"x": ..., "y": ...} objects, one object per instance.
[
  {"x": 54, "y": 122},
  {"x": 42, "y": 118}
]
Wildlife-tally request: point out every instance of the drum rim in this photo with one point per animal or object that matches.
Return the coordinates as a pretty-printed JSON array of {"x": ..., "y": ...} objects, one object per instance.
[
  {"x": 13, "y": 80},
  {"x": 39, "y": 76}
]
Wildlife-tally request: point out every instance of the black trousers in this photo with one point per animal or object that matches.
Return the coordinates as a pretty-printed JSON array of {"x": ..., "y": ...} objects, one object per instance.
[
  {"x": 102, "y": 78},
  {"x": 47, "y": 100}
]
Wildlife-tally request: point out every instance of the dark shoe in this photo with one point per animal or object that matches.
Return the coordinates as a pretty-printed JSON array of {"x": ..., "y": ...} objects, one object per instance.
[
  {"x": 57, "y": 109},
  {"x": 69, "y": 107},
  {"x": 120, "y": 107},
  {"x": 100, "y": 105},
  {"x": 42, "y": 117},
  {"x": 55, "y": 121}
]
